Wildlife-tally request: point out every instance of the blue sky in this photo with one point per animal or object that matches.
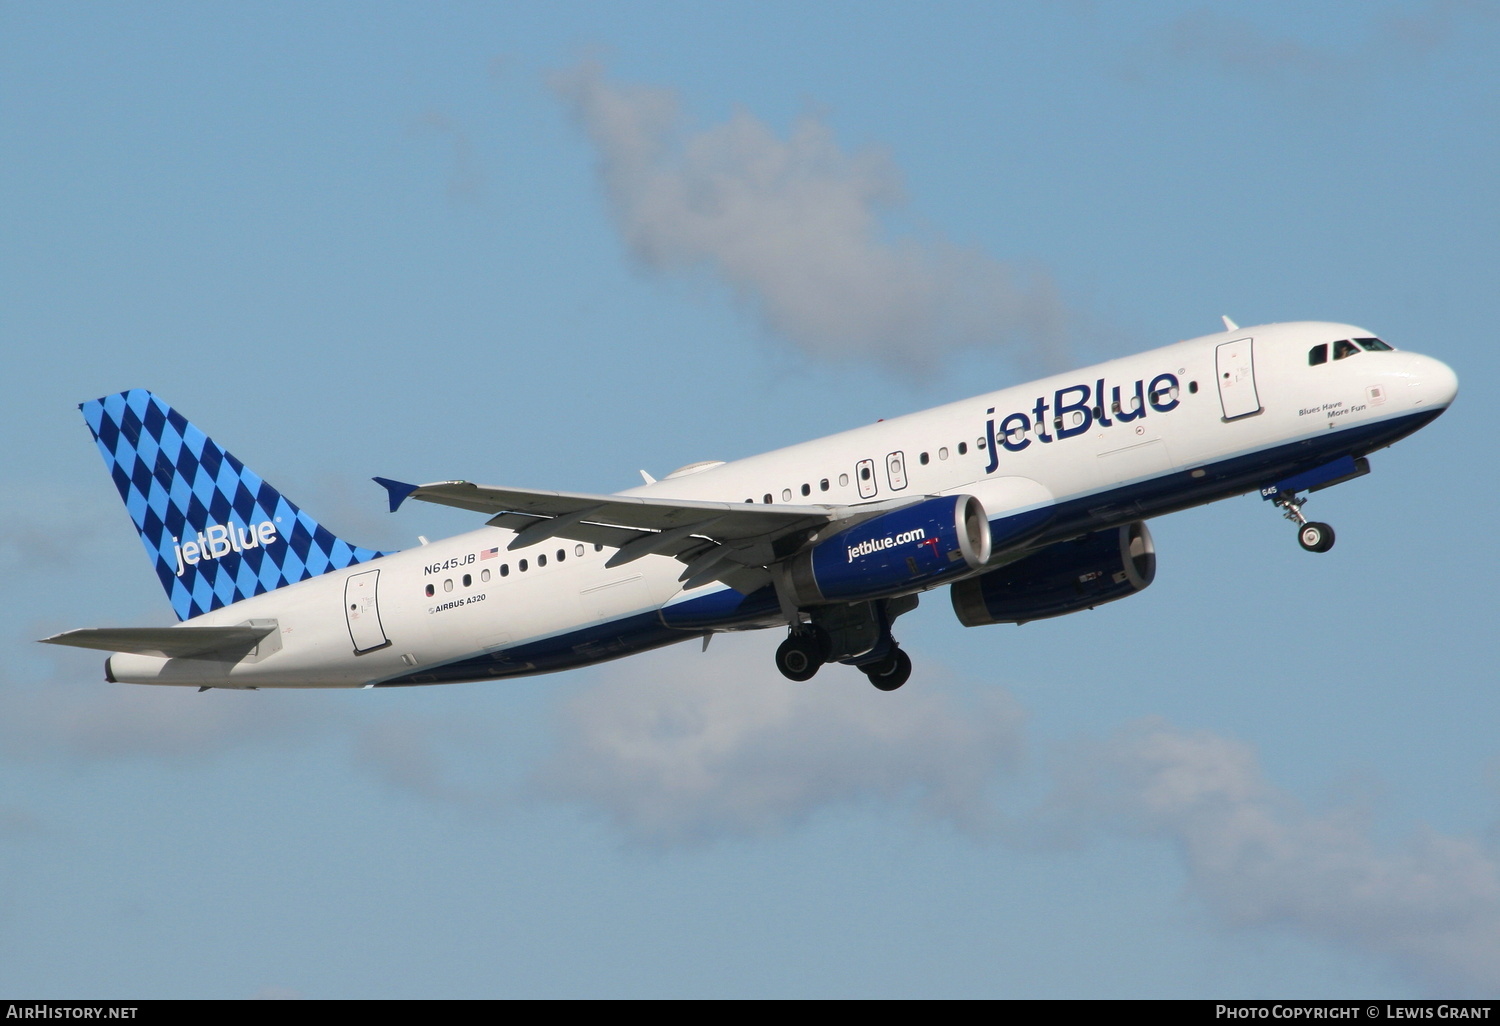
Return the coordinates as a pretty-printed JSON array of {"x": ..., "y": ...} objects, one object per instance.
[{"x": 548, "y": 245}]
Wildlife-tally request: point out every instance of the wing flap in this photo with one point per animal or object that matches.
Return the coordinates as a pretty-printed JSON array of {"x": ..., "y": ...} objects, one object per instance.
[
  {"x": 739, "y": 521},
  {"x": 731, "y": 542}
]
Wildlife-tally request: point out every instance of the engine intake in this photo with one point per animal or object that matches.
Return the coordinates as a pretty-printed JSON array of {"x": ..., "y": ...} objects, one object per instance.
[
  {"x": 902, "y": 551},
  {"x": 1063, "y": 578}
]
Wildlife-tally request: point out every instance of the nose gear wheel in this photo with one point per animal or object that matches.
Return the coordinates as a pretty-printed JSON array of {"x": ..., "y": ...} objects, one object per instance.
[
  {"x": 1315, "y": 537},
  {"x": 1312, "y": 535}
]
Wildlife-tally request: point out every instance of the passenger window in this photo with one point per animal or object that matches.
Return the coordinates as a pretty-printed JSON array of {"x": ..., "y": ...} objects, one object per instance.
[
  {"x": 468, "y": 580},
  {"x": 448, "y": 584},
  {"x": 522, "y": 566},
  {"x": 504, "y": 569},
  {"x": 768, "y": 498},
  {"x": 807, "y": 489},
  {"x": 943, "y": 453},
  {"x": 864, "y": 473},
  {"x": 1193, "y": 387},
  {"x": 922, "y": 459},
  {"x": 1317, "y": 354},
  {"x": 561, "y": 555},
  {"x": 484, "y": 575},
  {"x": 979, "y": 443},
  {"x": 541, "y": 560},
  {"x": 963, "y": 448},
  {"x": 823, "y": 485},
  {"x": 786, "y": 495},
  {"x": 578, "y": 549},
  {"x": 430, "y": 590},
  {"x": 843, "y": 480},
  {"x": 1343, "y": 347}
]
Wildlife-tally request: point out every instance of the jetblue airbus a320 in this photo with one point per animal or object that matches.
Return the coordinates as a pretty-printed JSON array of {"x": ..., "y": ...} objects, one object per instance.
[{"x": 1024, "y": 503}]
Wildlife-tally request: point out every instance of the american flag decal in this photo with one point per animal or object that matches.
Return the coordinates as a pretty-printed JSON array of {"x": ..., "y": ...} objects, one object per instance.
[{"x": 489, "y": 554}]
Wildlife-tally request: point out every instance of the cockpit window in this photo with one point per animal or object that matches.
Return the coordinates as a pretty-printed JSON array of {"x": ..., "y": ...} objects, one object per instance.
[
  {"x": 1374, "y": 345},
  {"x": 1343, "y": 347},
  {"x": 1317, "y": 354}
]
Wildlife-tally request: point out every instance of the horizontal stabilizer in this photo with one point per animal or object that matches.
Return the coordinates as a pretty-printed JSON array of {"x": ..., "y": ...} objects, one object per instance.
[{"x": 167, "y": 642}]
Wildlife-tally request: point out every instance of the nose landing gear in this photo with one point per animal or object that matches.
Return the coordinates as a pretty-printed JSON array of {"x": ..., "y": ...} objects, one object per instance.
[
  {"x": 1311, "y": 534},
  {"x": 1315, "y": 537}
]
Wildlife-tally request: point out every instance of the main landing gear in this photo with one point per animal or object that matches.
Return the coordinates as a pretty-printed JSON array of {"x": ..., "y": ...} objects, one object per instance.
[
  {"x": 1311, "y": 535},
  {"x": 891, "y": 672},
  {"x": 805, "y": 649},
  {"x": 857, "y": 635}
]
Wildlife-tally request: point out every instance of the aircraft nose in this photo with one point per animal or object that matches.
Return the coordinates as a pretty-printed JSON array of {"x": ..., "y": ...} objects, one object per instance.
[{"x": 1436, "y": 382}]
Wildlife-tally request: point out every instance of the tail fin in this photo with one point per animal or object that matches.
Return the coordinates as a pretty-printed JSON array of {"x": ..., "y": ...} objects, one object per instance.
[{"x": 216, "y": 533}]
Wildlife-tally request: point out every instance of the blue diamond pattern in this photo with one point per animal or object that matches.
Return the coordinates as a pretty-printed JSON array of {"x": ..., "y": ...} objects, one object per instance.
[{"x": 176, "y": 484}]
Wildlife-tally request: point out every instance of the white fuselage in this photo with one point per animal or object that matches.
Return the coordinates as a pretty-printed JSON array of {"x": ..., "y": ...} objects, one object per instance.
[{"x": 1210, "y": 430}]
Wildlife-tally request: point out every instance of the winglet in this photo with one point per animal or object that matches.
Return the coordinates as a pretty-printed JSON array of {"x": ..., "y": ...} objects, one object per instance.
[
  {"x": 398, "y": 490},
  {"x": 1228, "y": 324}
]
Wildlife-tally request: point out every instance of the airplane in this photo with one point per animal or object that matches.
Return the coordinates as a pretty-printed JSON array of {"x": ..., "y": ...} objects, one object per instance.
[{"x": 1025, "y": 503}]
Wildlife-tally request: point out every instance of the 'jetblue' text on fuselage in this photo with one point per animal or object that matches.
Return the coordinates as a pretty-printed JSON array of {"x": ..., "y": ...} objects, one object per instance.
[{"x": 1018, "y": 430}]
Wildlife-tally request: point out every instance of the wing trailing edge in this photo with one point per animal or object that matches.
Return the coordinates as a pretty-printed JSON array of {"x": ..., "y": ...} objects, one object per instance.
[{"x": 732, "y": 542}]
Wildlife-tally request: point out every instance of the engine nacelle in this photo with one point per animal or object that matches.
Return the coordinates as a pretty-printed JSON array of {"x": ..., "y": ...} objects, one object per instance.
[
  {"x": 1062, "y": 578},
  {"x": 902, "y": 551}
]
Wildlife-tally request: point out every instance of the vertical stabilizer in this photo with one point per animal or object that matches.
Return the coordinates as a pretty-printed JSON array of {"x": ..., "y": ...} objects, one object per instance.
[{"x": 215, "y": 532}]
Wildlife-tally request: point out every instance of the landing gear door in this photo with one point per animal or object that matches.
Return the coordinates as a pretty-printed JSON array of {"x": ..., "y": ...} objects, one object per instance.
[
  {"x": 362, "y": 612},
  {"x": 1235, "y": 371},
  {"x": 864, "y": 473}
]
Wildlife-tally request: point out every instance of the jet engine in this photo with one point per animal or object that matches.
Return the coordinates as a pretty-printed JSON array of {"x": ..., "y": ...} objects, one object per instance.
[
  {"x": 1063, "y": 578},
  {"x": 902, "y": 551}
]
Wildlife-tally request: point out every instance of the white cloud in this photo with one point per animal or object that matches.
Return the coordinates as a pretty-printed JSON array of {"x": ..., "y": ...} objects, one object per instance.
[
  {"x": 466, "y": 178},
  {"x": 685, "y": 748},
  {"x": 1255, "y": 857},
  {"x": 71, "y": 718},
  {"x": 1390, "y": 43},
  {"x": 408, "y": 754},
  {"x": 16, "y": 823},
  {"x": 792, "y": 226},
  {"x": 1228, "y": 42},
  {"x": 679, "y": 749},
  {"x": 63, "y": 716}
]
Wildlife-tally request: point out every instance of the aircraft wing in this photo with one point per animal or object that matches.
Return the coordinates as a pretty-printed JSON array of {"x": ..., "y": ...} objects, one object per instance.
[{"x": 717, "y": 540}]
